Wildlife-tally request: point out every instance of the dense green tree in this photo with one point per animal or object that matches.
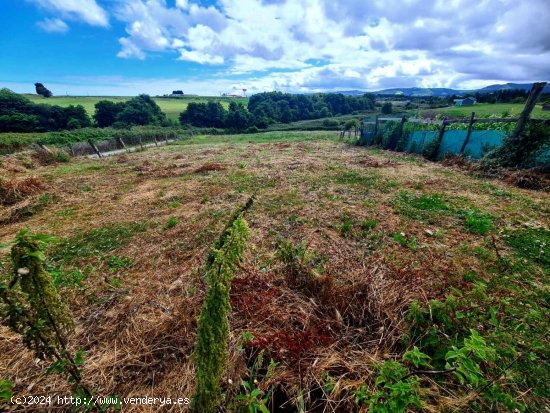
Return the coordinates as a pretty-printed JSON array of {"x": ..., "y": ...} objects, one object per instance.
[
  {"x": 237, "y": 117},
  {"x": 106, "y": 112},
  {"x": 141, "y": 110},
  {"x": 42, "y": 90}
]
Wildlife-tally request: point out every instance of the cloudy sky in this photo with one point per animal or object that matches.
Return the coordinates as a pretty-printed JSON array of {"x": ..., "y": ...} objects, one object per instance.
[{"x": 125, "y": 47}]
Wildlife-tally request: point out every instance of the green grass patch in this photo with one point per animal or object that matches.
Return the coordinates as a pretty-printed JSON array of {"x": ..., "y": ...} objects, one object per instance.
[
  {"x": 477, "y": 222},
  {"x": 421, "y": 206},
  {"x": 532, "y": 244},
  {"x": 96, "y": 242}
]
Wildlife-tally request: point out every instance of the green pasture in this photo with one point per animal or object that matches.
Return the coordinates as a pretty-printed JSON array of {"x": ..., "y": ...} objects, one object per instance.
[
  {"x": 485, "y": 110},
  {"x": 171, "y": 106}
]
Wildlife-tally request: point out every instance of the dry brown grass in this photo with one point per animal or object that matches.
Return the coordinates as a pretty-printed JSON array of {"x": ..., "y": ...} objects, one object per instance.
[
  {"x": 13, "y": 191},
  {"x": 208, "y": 167},
  {"x": 139, "y": 336}
]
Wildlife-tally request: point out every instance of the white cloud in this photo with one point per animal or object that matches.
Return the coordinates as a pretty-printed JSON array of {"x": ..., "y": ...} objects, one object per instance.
[
  {"x": 53, "y": 25},
  {"x": 87, "y": 11},
  {"x": 307, "y": 45}
]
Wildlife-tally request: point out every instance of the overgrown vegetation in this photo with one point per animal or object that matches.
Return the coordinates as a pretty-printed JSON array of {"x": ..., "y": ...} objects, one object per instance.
[
  {"x": 210, "y": 353},
  {"x": 33, "y": 308},
  {"x": 372, "y": 281}
]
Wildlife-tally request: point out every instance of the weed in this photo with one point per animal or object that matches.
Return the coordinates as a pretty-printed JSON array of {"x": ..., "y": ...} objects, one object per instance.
[
  {"x": 66, "y": 212},
  {"x": 72, "y": 279},
  {"x": 117, "y": 263},
  {"x": 347, "y": 225},
  {"x": 495, "y": 190},
  {"x": 368, "y": 225},
  {"x": 172, "y": 222},
  {"x": 213, "y": 329},
  {"x": 532, "y": 244},
  {"x": 175, "y": 203},
  {"x": 476, "y": 222},
  {"x": 409, "y": 242}
]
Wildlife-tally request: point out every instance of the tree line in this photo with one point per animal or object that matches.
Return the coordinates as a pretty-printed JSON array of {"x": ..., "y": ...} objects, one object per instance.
[
  {"x": 273, "y": 107},
  {"x": 19, "y": 114}
]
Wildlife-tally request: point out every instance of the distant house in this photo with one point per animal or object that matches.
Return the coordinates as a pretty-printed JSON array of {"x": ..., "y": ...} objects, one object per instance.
[
  {"x": 177, "y": 93},
  {"x": 546, "y": 107},
  {"x": 465, "y": 102}
]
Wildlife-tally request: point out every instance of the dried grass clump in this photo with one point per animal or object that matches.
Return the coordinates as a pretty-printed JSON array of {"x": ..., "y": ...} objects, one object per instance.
[
  {"x": 459, "y": 161},
  {"x": 208, "y": 167},
  {"x": 529, "y": 179},
  {"x": 13, "y": 191},
  {"x": 371, "y": 162},
  {"x": 50, "y": 156}
]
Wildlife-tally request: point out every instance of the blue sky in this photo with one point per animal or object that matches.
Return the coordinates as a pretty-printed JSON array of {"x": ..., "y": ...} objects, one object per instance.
[{"x": 126, "y": 47}]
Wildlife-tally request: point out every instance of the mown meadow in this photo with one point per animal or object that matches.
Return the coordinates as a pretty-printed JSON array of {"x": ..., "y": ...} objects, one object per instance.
[{"x": 370, "y": 280}]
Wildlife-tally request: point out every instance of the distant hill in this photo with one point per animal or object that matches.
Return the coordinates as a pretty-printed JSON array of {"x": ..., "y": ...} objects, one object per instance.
[{"x": 437, "y": 91}]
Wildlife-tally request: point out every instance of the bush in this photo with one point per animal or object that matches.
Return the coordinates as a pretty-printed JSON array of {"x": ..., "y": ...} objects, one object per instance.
[{"x": 387, "y": 108}]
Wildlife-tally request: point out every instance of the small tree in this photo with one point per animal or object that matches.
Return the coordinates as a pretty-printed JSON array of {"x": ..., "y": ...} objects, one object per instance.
[
  {"x": 387, "y": 108},
  {"x": 42, "y": 90}
]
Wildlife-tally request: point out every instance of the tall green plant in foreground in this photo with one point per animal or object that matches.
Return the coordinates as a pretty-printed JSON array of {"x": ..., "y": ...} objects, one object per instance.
[
  {"x": 213, "y": 327},
  {"x": 32, "y": 307}
]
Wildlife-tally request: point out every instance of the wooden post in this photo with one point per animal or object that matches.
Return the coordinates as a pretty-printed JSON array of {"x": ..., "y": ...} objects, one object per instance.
[
  {"x": 45, "y": 148},
  {"x": 156, "y": 141},
  {"x": 140, "y": 142},
  {"x": 470, "y": 125},
  {"x": 532, "y": 100},
  {"x": 121, "y": 142},
  {"x": 94, "y": 147},
  {"x": 166, "y": 138},
  {"x": 375, "y": 130}
]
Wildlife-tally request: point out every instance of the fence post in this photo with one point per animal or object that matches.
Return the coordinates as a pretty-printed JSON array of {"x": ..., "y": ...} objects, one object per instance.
[
  {"x": 121, "y": 142},
  {"x": 375, "y": 129},
  {"x": 140, "y": 142},
  {"x": 470, "y": 125},
  {"x": 94, "y": 147},
  {"x": 532, "y": 100},
  {"x": 440, "y": 137},
  {"x": 396, "y": 137},
  {"x": 156, "y": 141},
  {"x": 45, "y": 149},
  {"x": 166, "y": 138}
]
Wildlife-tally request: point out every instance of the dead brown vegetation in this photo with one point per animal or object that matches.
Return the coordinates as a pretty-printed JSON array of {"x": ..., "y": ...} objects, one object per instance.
[
  {"x": 208, "y": 167},
  {"x": 15, "y": 190}
]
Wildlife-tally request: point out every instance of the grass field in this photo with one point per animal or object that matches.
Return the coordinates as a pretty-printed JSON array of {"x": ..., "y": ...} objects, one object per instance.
[
  {"x": 484, "y": 110},
  {"x": 402, "y": 258},
  {"x": 171, "y": 106}
]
